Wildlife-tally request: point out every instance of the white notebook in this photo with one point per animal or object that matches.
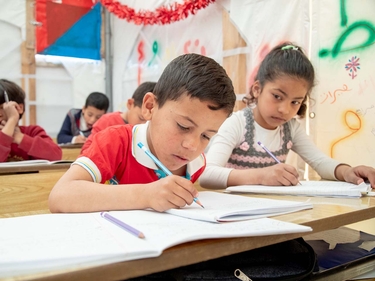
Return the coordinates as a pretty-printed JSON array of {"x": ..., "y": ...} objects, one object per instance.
[
  {"x": 41, "y": 243},
  {"x": 221, "y": 207},
  {"x": 33, "y": 162},
  {"x": 308, "y": 188}
]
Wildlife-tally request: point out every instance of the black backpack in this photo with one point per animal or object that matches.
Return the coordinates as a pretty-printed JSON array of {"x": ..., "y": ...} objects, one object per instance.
[{"x": 288, "y": 261}]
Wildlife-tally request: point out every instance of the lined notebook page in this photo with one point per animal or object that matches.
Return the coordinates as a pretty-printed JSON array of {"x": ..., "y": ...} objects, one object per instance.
[{"x": 308, "y": 188}]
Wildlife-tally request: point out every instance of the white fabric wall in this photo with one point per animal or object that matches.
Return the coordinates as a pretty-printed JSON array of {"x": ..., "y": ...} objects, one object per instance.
[{"x": 344, "y": 126}]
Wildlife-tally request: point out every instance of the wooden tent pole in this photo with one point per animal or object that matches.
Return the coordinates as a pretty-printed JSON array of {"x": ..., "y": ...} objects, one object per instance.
[
  {"x": 28, "y": 62},
  {"x": 235, "y": 65}
]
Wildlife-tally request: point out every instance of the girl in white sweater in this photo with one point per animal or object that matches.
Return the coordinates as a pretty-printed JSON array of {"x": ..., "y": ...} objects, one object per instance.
[{"x": 280, "y": 91}]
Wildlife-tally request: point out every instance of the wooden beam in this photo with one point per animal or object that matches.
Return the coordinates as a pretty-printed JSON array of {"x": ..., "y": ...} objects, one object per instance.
[
  {"x": 28, "y": 61},
  {"x": 236, "y": 65}
]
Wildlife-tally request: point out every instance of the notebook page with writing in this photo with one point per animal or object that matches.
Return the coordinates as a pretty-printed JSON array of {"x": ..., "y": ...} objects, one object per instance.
[
  {"x": 221, "y": 207},
  {"x": 68, "y": 241},
  {"x": 308, "y": 188}
]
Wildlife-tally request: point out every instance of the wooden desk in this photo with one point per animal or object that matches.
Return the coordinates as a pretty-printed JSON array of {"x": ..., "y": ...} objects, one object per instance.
[
  {"x": 328, "y": 213},
  {"x": 70, "y": 151},
  {"x": 26, "y": 194},
  {"x": 33, "y": 168}
]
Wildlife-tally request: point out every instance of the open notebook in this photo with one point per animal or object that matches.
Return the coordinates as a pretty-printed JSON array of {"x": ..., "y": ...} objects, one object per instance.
[
  {"x": 308, "y": 188},
  {"x": 33, "y": 162},
  {"x": 221, "y": 207},
  {"x": 63, "y": 241}
]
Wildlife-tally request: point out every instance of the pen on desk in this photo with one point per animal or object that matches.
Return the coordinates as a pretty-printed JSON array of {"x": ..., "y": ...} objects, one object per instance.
[
  {"x": 161, "y": 166},
  {"x": 123, "y": 225},
  {"x": 6, "y": 97},
  {"x": 271, "y": 154}
]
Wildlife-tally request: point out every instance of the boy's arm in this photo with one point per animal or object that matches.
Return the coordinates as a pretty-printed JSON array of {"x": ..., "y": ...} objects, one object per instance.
[
  {"x": 76, "y": 192},
  {"x": 5, "y": 145},
  {"x": 65, "y": 135},
  {"x": 37, "y": 144}
]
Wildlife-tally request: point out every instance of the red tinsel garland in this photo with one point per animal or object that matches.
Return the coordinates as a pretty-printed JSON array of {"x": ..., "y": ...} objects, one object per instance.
[{"x": 162, "y": 15}]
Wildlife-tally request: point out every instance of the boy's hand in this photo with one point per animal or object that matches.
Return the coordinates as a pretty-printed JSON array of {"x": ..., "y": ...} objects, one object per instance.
[
  {"x": 279, "y": 174},
  {"x": 171, "y": 192},
  {"x": 359, "y": 174},
  {"x": 11, "y": 110},
  {"x": 80, "y": 139}
]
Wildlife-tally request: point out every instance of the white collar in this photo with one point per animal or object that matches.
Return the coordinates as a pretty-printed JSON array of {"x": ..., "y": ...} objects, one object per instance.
[{"x": 140, "y": 135}]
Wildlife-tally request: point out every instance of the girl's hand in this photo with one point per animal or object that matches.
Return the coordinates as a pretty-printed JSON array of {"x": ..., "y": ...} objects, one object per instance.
[
  {"x": 279, "y": 174},
  {"x": 171, "y": 192},
  {"x": 358, "y": 174}
]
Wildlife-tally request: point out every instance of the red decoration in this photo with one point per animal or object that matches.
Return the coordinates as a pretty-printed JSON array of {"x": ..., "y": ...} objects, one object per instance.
[{"x": 162, "y": 15}]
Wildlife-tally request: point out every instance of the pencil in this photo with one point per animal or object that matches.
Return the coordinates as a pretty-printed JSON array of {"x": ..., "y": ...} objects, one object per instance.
[
  {"x": 161, "y": 166},
  {"x": 271, "y": 154},
  {"x": 6, "y": 97},
  {"x": 123, "y": 225}
]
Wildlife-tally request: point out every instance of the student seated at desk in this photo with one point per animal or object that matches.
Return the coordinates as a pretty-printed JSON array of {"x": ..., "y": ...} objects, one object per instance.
[
  {"x": 78, "y": 122},
  {"x": 280, "y": 92},
  {"x": 190, "y": 101},
  {"x": 21, "y": 142},
  {"x": 132, "y": 116}
]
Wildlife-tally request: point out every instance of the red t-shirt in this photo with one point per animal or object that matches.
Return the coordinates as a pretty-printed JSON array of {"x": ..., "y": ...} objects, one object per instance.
[
  {"x": 36, "y": 144},
  {"x": 114, "y": 157},
  {"x": 107, "y": 120}
]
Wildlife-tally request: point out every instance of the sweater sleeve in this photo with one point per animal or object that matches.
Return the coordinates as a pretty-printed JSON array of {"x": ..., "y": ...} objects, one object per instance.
[
  {"x": 311, "y": 154},
  {"x": 38, "y": 145},
  {"x": 65, "y": 135},
  {"x": 5, "y": 146},
  {"x": 220, "y": 149}
]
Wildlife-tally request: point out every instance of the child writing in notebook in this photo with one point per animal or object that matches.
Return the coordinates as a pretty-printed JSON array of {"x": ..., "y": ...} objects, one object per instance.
[
  {"x": 78, "y": 123},
  {"x": 132, "y": 116},
  {"x": 18, "y": 143},
  {"x": 190, "y": 101},
  {"x": 280, "y": 92}
]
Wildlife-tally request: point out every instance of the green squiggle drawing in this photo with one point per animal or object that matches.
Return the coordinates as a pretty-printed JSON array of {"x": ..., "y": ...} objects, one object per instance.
[
  {"x": 358, "y": 25},
  {"x": 344, "y": 16}
]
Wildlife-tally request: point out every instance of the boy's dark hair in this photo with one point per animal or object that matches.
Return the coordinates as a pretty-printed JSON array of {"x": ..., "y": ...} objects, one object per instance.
[
  {"x": 198, "y": 77},
  {"x": 140, "y": 92},
  {"x": 15, "y": 92},
  {"x": 286, "y": 59},
  {"x": 97, "y": 100}
]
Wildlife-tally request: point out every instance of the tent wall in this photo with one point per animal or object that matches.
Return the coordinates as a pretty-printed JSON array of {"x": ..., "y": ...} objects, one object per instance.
[{"x": 237, "y": 34}]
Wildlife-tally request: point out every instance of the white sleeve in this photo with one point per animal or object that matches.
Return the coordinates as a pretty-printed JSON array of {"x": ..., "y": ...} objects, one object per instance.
[
  {"x": 220, "y": 148},
  {"x": 311, "y": 154}
]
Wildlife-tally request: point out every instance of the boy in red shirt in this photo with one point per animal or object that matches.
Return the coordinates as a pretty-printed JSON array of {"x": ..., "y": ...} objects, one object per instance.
[
  {"x": 190, "y": 101},
  {"x": 132, "y": 116},
  {"x": 21, "y": 142}
]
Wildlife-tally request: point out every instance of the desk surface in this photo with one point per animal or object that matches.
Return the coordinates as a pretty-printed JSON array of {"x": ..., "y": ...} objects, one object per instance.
[
  {"x": 26, "y": 194},
  {"x": 328, "y": 213},
  {"x": 71, "y": 145}
]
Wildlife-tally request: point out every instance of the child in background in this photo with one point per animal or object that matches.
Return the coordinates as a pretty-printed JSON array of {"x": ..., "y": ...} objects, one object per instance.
[
  {"x": 18, "y": 143},
  {"x": 133, "y": 116},
  {"x": 78, "y": 122},
  {"x": 280, "y": 91},
  {"x": 192, "y": 98}
]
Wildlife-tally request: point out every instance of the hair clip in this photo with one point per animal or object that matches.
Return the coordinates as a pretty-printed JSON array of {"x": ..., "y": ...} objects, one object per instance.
[{"x": 287, "y": 47}]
